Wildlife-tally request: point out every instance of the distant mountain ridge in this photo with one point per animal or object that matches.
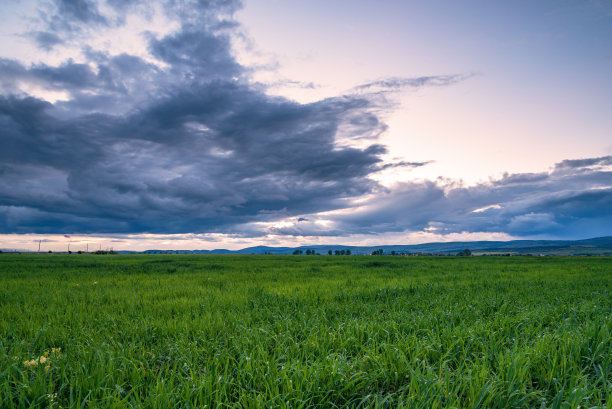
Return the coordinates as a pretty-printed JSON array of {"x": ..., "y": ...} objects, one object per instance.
[{"x": 593, "y": 246}]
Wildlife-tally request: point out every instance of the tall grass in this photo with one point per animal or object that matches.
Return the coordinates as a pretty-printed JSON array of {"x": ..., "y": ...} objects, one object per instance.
[{"x": 162, "y": 331}]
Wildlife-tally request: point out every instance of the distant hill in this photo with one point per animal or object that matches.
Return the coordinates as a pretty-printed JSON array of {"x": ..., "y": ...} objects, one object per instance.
[{"x": 594, "y": 246}]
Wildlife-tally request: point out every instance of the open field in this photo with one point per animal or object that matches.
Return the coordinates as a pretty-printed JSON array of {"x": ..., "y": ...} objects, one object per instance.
[{"x": 163, "y": 331}]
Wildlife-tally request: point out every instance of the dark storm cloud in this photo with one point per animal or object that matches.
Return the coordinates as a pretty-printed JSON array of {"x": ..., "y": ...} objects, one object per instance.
[
  {"x": 198, "y": 159},
  {"x": 46, "y": 40},
  {"x": 122, "y": 4},
  {"x": 118, "y": 84},
  {"x": 211, "y": 12},
  {"x": 70, "y": 16},
  {"x": 569, "y": 203},
  {"x": 85, "y": 11},
  {"x": 582, "y": 163},
  {"x": 68, "y": 76},
  {"x": 403, "y": 164},
  {"x": 395, "y": 83},
  {"x": 173, "y": 178},
  {"x": 197, "y": 55}
]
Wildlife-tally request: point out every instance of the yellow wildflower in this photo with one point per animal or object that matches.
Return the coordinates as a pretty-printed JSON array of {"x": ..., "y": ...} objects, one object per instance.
[
  {"x": 43, "y": 359},
  {"x": 31, "y": 363}
]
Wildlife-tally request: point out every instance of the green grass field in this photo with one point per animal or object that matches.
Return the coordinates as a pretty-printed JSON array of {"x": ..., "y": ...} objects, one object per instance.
[{"x": 305, "y": 331}]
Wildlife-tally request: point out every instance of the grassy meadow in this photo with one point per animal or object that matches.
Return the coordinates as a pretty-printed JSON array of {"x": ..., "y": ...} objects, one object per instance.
[{"x": 182, "y": 331}]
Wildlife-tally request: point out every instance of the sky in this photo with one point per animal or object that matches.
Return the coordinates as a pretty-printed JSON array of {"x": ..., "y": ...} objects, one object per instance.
[{"x": 203, "y": 124}]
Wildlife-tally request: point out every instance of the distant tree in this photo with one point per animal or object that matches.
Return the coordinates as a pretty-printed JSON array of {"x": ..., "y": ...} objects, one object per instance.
[
  {"x": 49, "y": 251},
  {"x": 308, "y": 252},
  {"x": 297, "y": 252},
  {"x": 342, "y": 252},
  {"x": 393, "y": 252},
  {"x": 378, "y": 252},
  {"x": 348, "y": 252},
  {"x": 80, "y": 252},
  {"x": 337, "y": 252},
  {"x": 329, "y": 252},
  {"x": 464, "y": 253},
  {"x": 114, "y": 252}
]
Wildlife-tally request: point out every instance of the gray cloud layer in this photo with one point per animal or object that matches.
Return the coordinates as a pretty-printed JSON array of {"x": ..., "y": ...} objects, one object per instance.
[
  {"x": 195, "y": 160},
  {"x": 188, "y": 148},
  {"x": 572, "y": 200},
  {"x": 191, "y": 146}
]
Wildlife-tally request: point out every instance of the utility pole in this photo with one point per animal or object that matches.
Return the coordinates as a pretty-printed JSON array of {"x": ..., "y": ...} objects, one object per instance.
[{"x": 39, "y": 245}]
